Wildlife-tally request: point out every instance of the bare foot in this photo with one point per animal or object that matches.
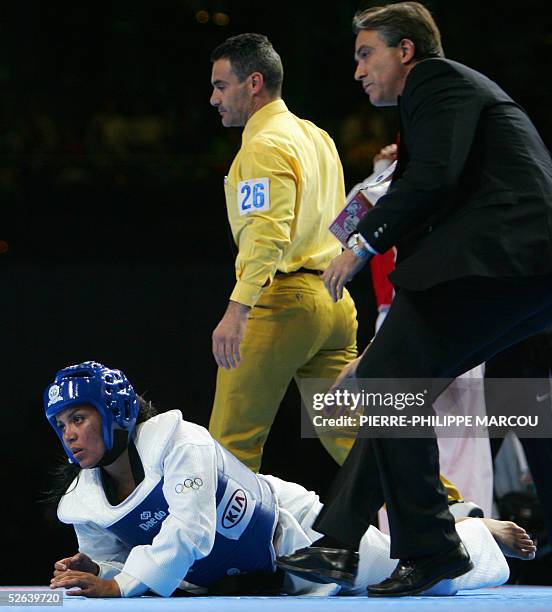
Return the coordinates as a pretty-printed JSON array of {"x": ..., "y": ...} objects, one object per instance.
[{"x": 512, "y": 539}]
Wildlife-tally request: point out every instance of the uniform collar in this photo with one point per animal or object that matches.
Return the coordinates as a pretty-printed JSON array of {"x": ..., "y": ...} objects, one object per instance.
[{"x": 258, "y": 119}]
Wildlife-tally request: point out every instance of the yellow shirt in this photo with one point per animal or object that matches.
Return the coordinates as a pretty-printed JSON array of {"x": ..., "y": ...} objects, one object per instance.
[{"x": 283, "y": 190}]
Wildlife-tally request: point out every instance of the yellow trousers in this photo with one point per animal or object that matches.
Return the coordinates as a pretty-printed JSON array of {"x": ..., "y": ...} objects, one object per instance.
[{"x": 294, "y": 331}]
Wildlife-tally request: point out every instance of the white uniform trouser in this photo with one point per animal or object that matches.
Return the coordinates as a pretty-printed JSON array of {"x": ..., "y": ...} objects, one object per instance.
[
  {"x": 298, "y": 508},
  {"x": 466, "y": 461}
]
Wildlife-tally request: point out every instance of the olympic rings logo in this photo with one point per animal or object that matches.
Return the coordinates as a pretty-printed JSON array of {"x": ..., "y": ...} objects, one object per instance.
[{"x": 189, "y": 484}]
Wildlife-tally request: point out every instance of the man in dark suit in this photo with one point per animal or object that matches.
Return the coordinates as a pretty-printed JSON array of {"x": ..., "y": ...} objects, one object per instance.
[{"x": 470, "y": 211}]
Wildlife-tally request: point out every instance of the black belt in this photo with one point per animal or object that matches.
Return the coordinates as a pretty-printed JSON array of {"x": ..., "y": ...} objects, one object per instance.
[{"x": 300, "y": 271}]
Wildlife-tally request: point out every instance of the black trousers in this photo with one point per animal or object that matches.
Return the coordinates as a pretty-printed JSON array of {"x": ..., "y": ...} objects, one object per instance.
[{"x": 438, "y": 333}]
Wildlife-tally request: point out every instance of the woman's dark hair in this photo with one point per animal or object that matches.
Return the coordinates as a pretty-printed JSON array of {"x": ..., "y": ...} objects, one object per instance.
[{"x": 65, "y": 473}]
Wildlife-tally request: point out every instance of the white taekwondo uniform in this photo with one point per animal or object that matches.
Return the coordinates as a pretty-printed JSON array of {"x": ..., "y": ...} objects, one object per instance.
[{"x": 199, "y": 515}]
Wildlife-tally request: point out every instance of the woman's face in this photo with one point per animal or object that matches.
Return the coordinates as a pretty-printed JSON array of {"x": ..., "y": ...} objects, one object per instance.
[{"x": 81, "y": 427}]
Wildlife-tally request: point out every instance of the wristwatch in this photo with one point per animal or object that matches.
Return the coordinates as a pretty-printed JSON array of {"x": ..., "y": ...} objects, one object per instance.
[{"x": 355, "y": 243}]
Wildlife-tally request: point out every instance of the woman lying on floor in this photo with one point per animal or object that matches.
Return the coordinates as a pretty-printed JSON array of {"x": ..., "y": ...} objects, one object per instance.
[{"x": 158, "y": 505}]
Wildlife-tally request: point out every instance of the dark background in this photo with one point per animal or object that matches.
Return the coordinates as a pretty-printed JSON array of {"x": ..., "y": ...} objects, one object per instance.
[{"x": 112, "y": 214}]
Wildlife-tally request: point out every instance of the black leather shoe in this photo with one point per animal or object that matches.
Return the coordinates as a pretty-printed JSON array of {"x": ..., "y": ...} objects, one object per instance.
[
  {"x": 322, "y": 565},
  {"x": 418, "y": 575}
]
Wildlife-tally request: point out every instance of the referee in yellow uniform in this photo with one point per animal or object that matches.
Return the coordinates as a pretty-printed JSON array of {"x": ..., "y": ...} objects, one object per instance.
[{"x": 283, "y": 190}]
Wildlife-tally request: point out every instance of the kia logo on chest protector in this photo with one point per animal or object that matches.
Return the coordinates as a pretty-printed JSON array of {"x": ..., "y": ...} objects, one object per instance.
[{"x": 235, "y": 509}]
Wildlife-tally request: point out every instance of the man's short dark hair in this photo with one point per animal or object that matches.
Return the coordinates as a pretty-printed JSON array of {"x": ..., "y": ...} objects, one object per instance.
[
  {"x": 248, "y": 53},
  {"x": 403, "y": 20}
]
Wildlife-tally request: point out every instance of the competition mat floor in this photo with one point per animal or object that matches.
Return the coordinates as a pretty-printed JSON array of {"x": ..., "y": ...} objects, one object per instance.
[{"x": 505, "y": 598}]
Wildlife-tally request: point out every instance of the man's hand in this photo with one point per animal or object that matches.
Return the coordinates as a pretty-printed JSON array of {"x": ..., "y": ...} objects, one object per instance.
[
  {"x": 228, "y": 335},
  {"x": 347, "y": 373},
  {"x": 79, "y": 562},
  {"x": 340, "y": 271},
  {"x": 388, "y": 153},
  {"x": 89, "y": 585}
]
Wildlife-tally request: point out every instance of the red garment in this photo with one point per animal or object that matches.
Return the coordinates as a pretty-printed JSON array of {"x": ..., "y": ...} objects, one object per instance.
[{"x": 381, "y": 266}]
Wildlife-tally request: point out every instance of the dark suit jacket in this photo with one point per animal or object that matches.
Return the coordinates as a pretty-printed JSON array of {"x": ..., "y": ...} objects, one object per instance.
[{"x": 472, "y": 192}]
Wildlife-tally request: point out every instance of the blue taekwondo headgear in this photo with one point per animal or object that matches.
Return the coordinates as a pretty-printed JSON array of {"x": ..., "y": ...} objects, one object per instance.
[{"x": 107, "y": 390}]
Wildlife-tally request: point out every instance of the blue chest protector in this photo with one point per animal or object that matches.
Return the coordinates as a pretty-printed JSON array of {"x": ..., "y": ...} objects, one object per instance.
[{"x": 246, "y": 519}]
